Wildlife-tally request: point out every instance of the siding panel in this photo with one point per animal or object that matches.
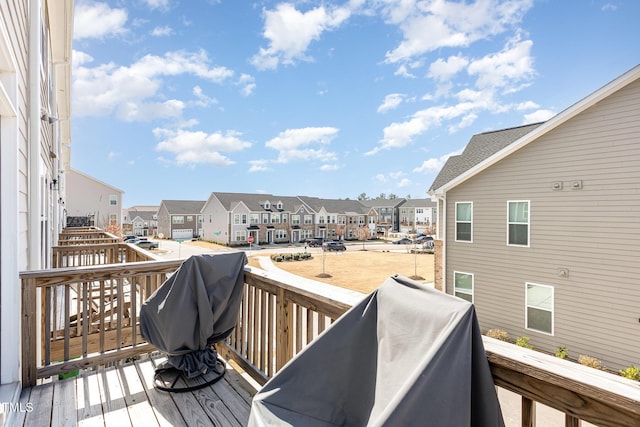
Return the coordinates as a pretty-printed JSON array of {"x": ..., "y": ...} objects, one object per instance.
[{"x": 593, "y": 232}]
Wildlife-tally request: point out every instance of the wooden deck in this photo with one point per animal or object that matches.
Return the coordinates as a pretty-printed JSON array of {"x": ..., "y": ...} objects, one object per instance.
[{"x": 125, "y": 396}]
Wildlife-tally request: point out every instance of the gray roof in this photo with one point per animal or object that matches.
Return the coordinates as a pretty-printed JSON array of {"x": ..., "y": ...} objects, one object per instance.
[
  {"x": 419, "y": 203},
  {"x": 384, "y": 203},
  {"x": 255, "y": 202},
  {"x": 183, "y": 207},
  {"x": 348, "y": 206},
  {"x": 480, "y": 147},
  {"x": 144, "y": 215}
]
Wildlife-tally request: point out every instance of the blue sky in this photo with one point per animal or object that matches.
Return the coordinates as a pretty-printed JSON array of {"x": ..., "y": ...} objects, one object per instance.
[{"x": 176, "y": 99}]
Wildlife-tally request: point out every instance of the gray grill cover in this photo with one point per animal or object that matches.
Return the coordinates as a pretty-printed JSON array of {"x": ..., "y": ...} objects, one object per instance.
[
  {"x": 194, "y": 308},
  {"x": 406, "y": 355}
]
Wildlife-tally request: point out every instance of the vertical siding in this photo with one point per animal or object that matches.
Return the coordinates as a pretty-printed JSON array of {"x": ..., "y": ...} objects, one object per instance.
[{"x": 593, "y": 232}]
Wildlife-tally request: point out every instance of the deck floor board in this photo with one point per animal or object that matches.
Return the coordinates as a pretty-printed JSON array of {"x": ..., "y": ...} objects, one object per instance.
[{"x": 125, "y": 396}]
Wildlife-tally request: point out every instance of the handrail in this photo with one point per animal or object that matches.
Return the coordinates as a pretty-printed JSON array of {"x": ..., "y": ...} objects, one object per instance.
[{"x": 279, "y": 315}]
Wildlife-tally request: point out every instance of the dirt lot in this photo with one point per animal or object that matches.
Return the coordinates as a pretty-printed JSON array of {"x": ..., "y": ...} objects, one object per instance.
[{"x": 355, "y": 269}]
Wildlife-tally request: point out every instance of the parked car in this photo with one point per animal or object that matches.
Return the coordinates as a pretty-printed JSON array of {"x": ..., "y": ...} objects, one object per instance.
[
  {"x": 333, "y": 246},
  {"x": 145, "y": 244},
  {"x": 129, "y": 237},
  {"x": 424, "y": 239},
  {"x": 402, "y": 241},
  {"x": 316, "y": 242}
]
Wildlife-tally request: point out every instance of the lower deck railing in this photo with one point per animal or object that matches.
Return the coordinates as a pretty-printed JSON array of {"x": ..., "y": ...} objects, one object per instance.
[{"x": 77, "y": 318}]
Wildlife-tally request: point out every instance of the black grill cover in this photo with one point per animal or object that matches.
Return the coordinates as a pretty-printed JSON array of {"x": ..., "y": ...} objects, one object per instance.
[
  {"x": 407, "y": 355},
  {"x": 195, "y": 308}
]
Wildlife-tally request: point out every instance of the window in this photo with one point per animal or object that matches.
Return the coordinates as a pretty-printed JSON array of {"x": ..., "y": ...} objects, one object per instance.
[
  {"x": 254, "y": 219},
  {"x": 308, "y": 219},
  {"x": 281, "y": 234},
  {"x": 285, "y": 217},
  {"x": 177, "y": 219},
  {"x": 464, "y": 221},
  {"x": 539, "y": 304},
  {"x": 518, "y": 223},
  {"x": 265, "y": 218},
  {"x": 113, "y": 200},
  {"x": 241, "y": 236},
  {"x": 244, "y": 218},
  {"x": 275, "y": 218},
  {"x": 295, "y": 219},
  {"x": 189, "y": 218},
  {"x": 236, "y": 219},
  {"x": 113, "y": 218},
  {"x": 463, "y": 285}
]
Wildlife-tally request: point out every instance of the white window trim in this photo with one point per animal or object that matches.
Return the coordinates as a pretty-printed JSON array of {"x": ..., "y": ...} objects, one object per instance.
[
  {"x": 528, "y": 223},
  {"x": 553, "y": 309},
  {"x": 473, "y": 284},
  {"x": 455, "y": 223}
]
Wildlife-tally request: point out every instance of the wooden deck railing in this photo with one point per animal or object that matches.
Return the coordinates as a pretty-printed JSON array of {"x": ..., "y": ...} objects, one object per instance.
[
  {"x": 278, "y": 318},
  {"x": 84, "y": 254}
]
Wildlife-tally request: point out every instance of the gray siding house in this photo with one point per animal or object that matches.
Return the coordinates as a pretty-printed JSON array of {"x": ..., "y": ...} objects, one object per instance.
[
  {"x": 180, "y": 219},
  {"x": 540, "y": 227}
]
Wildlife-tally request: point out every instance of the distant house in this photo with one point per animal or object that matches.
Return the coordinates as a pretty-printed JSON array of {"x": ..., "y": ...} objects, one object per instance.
[
  {"x": 231, "y": 218},
  {"x": 180, "y": 219},
  {"x": 417, "y": 216},
  {"x": 540, "y": 227},
  {"x": 340, "y": 219},
  {"x": 90, "y": 198},
  {"x": 387, "y": 214},
  {"x": 141, "y": 220}
]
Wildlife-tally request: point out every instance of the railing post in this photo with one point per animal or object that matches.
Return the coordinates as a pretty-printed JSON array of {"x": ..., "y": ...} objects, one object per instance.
[
  {"x": 284, "y": 338},
  {"x": 528, "y": 412},
  {"x": 29, "y": 325}
]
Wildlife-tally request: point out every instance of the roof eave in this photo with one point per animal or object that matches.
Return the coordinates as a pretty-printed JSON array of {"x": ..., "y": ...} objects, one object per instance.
[{"x": 580, "y": 106}]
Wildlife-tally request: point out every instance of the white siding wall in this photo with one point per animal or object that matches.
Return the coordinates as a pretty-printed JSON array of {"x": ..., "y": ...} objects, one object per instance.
[
  {"x": 216, "y": 222},
  {"x": 86, "y": 195},
  {"x": 593, "y": 232}
]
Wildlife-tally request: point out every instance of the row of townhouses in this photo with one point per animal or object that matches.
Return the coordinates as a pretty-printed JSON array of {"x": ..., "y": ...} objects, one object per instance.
[{"x": 236, "y": 218}]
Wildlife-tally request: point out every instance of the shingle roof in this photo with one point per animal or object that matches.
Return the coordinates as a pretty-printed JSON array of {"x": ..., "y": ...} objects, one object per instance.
[
  {"x": 144, "y": 215},
  {"x": 335, "y": 205},
  {"x": 419, "y": 203},
  {"x": 178, "y": 207},
  {"x": 480, "y": 147},
  {"x": 255, "y": 201},
  {"x": 383, "y": 203}
]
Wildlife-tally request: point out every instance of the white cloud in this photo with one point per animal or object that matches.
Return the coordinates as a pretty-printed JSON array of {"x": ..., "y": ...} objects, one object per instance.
[
  {"x": 162, "y": 31},
  {"x": 294, "y": 144},
  {"x": 145, "y": 112},
  {"x": 527, "y": 105},
  {"x": 158, "y": 4},
  {"x": 404, "y": 72},
  {"x": 538, "y": 116},
  {"x": 427, "y": 26},
  {"x": 191, "y": 148},
  {"x": 433, "y": 165},
  {"x": 443, "y": 70},
  {"x": 380, "y": 178},
  {"x": 248, "y": 84},
  {"x": 513, "y": 64},
  {"x": 202, "y": 99},
  {"x": 107, "y": 88},
  {"x": 391, "y": 102},
  {"x": 329, "y": 167},
  {"x": 98, "y": 20},
  {"x": 290, "y": 32},
  {"x": 404, "y": 182},
  {"x": 259, "y": 166},
  {"x": 401, "y": 134}
]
